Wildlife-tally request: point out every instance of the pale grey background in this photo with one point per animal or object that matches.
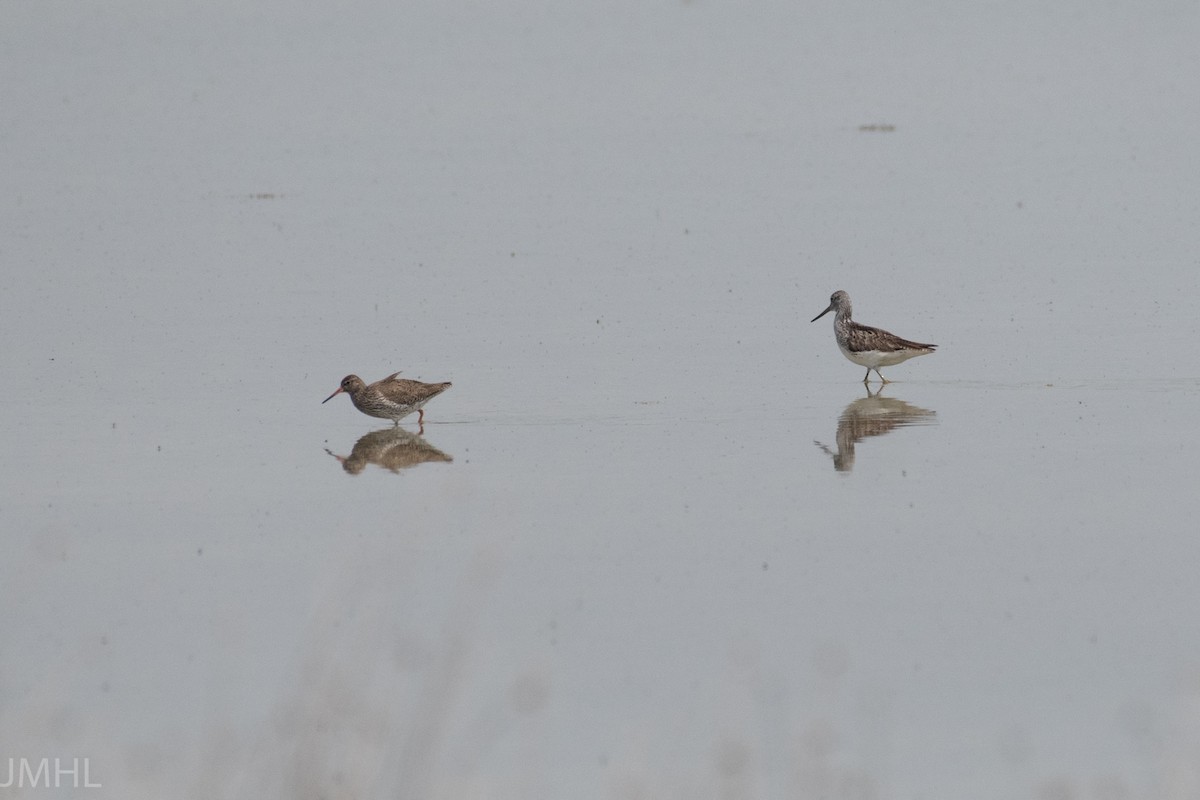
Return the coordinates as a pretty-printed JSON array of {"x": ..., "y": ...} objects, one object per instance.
[{"x": 608, "y": 224}]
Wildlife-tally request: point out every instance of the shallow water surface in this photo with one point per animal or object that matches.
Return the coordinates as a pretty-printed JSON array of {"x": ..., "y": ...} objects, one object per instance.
[{"x": 658, "y": 539}]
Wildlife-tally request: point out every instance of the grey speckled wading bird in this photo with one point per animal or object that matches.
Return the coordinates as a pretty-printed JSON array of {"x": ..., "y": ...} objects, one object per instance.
[
  {"x": 391, "y": 398},
  {"x": 866, "y": 346}
]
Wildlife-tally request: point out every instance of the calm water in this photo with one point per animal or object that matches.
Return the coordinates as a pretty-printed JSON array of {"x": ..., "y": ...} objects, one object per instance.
[{"x": 658, "y": 540}]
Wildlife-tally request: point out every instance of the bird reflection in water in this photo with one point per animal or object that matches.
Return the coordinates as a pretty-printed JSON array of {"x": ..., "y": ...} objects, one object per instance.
[
  {"x": 393, "y": 449},
  {"x": 873, "y": 415}
]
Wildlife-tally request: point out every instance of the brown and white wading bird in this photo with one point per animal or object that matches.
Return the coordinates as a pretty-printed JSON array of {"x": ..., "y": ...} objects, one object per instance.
[
  {"x": 866, "y": 346},
  {"x": 391, "y": 398}
]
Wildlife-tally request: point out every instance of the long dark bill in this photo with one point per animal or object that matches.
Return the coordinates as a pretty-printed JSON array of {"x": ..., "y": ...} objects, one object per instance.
[{"x": 823, "y": 313}]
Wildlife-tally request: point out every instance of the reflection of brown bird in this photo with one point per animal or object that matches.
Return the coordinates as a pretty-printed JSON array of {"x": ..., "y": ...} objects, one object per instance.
[
  {"x": 391, "y": 398},
  {"x": 393, "y": 449},
  {"x": 866, "y": 346},
  {"x": 872, "y": 416}
]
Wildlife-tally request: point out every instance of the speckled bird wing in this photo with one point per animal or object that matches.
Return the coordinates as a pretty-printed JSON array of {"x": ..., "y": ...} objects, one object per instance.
[
  {"x": 863, "y": 337},
  {"x": 403, "y": 390}
]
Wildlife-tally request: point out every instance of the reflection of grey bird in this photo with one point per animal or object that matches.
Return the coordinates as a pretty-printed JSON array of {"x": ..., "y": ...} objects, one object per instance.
[
  {"x": 393, "y": 449},
  {"x": 871, "y": 416},
  {"x": 390, "y": 398},
  {"x": 866, "y": 346}
]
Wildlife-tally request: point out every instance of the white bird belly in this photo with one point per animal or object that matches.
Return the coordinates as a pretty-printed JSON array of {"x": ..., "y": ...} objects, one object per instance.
[{"x": 873, "y": 359}]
